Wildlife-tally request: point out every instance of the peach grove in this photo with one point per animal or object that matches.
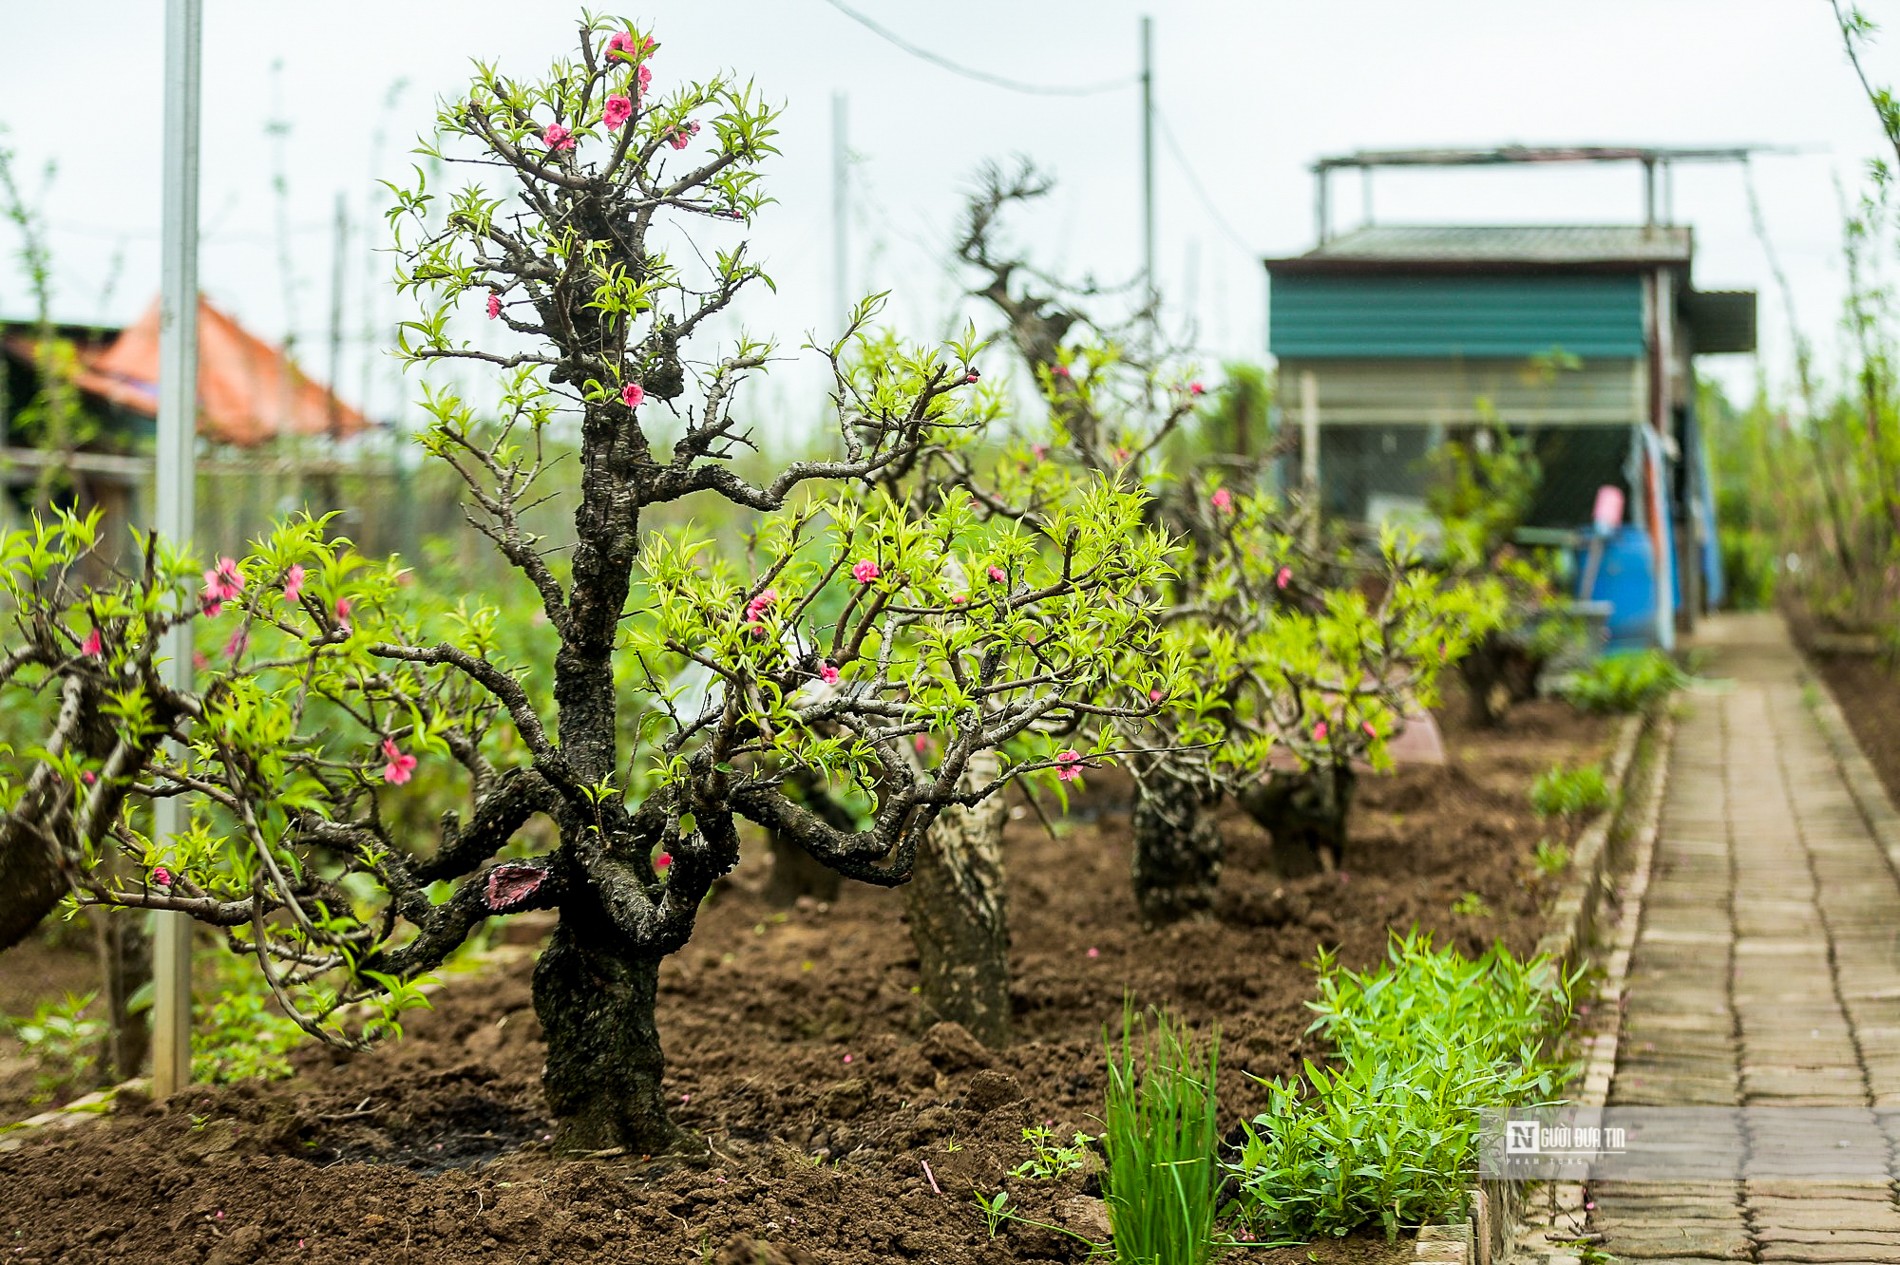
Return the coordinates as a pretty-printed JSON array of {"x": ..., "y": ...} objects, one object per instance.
[{"x": 950, "y": 600}]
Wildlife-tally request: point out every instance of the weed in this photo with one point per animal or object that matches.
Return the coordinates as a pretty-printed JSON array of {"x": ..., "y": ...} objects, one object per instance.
[
  {"x": 1470, "y": 905},
  {"x": 1551, "y": 858},
  {"x": 62, "y": 1040},
  {"x": 1050, "y": 1160},
  {"x": 1570, "y": 793},
  {"x": 1161, "y": 1133},
  {"x": 1388, "y": 1134},
  {"x": 1624, "y": 682},
  {"x": 994, "y": 1210}
]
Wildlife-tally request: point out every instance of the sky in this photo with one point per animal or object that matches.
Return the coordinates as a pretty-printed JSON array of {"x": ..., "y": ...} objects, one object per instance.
[{"x": 330, "y": 97}]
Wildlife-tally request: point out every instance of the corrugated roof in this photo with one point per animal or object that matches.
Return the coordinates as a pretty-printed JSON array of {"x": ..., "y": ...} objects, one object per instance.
[{"x": 1510, "y": 243}]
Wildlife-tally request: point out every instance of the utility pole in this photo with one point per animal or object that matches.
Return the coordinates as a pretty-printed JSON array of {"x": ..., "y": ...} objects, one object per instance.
[
  {"x": 840, "y": 211},
  {"x": 332, "y": 483},
  {"x": 177, "y": 472},
  {"x": 1148, "y": 156}
]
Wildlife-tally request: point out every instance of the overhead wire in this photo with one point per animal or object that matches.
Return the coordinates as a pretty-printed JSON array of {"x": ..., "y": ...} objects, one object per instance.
[
  {"x": 980, "y": 76},
  {"x": 1194, "y": 183}
]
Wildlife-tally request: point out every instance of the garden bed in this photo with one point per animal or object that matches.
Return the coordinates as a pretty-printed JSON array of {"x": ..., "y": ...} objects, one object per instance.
[
  {"x": 840, "y": 1131},
  {"x": 1867, "y": 689}
]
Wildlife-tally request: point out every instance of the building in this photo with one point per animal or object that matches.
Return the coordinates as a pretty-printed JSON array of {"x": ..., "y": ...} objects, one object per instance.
[{"x": 1391, "y": 339}]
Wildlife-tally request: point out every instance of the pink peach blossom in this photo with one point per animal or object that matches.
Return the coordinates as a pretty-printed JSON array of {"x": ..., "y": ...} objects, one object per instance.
[
  {"x": 293, "y": 582},
  {"x": 616, "y": 112},
  {"x": 621, "y": 42},
  {"x": 1284, "y": 578},
  {"x": 89, "y": 777},
  {"x": 827, "y": 674},
  {"x": 1060, "y": 371},
  {"x": 1195, "y": 388},
  {"x": 1223, "y": 499},
  {"x": 401, "y": 764},
  {"x": 1039, "y": 451},
  {"x": 921, "y": 742},
  {"x": 663, "y": 861},
  {"x": 94, "y": 647},
  {"x": 683, "y": 134},
  {"x": 644, "y": 78},
  {"x": 996, "y": 574},
  {"x": 865, "y": 571},
  {"x": 343, "y": 614},
  {"x": 1319, "y": 732},
  {"x": 494, "y": 305},
  {"x": 161, "y": 876},
  {"x": 240, "y": 642},
  {"x": 557, "y": 138},
  {"x": 1094, "y": 952},
  {"x": 633, "y": 395},
  {"x": 1068, "y": 765}
]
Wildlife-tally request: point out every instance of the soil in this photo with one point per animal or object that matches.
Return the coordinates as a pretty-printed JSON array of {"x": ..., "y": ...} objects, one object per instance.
[
  {"x": 1868, "y": 690},
  {"x": 840, "y": 1128}
]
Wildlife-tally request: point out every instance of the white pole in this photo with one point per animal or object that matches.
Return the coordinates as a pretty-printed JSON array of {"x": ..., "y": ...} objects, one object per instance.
[
  {"x": 1309, "y": 449},
  {"x": 1148, "y": 157},
  {"x": 840, "y": 211},
  {"x": 177, "y": 437}
]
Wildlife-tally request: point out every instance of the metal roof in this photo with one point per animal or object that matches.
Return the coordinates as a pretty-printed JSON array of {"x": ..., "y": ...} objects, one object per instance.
[
  {"x": 1495, "y": 154},
  {"x": 1509, "y": 244}
]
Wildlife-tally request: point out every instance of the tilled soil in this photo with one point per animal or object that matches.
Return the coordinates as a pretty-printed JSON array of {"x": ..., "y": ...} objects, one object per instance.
[
  {"x": 1868, "y": 690},
  {"x": 840, "y": 1129}
]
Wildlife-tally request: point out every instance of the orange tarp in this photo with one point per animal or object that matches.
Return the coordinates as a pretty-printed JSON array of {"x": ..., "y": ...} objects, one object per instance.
[{"x": 248, "y": 391}]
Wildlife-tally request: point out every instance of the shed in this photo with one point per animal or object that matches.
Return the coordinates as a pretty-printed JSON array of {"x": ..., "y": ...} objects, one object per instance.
[{"x": 1392, "y": 338}]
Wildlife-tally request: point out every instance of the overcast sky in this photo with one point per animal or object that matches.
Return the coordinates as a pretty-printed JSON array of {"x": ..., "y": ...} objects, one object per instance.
[{"x": 1253, "y": 92}]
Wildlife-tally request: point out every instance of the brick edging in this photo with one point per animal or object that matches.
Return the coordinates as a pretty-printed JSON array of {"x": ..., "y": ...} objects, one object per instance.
[{"x": 1503, "y": 1226}]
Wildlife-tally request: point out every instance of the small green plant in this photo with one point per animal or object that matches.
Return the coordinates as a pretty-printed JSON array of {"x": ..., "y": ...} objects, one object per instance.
[
  {"x": 237, "y": 1034},
  {"x": 1162, "y": 1132},
  {"x": 1551, "y": 858},
  {"x": 995, "y": 1210},
  {"x": 1051, "y": 1160},
  {"x": 62, "y": 1040},
  {"x": 1470, "y": 905},
  {"x": 1624, "y": 682},
  {"x": 1570, "y": 793},
  {"x": 1387, "y": 1134}
]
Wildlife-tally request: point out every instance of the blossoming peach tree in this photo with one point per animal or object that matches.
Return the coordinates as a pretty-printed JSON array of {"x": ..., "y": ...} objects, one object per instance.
[
  {"x": 1293, "y": 663},
  {"x": 851, "y": 647}
]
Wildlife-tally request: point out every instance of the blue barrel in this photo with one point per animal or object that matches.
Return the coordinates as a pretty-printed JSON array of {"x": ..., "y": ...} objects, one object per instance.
[{"x": 1626, "y": 579}]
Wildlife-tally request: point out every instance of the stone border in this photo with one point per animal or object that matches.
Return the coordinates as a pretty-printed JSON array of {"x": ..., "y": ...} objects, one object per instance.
[
  {"x": 1869, "y": 792},
  {"x": 1503, "y": 1222}
]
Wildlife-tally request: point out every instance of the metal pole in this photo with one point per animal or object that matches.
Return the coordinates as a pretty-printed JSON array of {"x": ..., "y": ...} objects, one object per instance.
[
  {"x": 1148, "y": 154},
  {"x": 840, "y": 209},
  {"x": 177, "y": 469},
  {"x": 1649, "y": 193},
  {"x": 1322, "y": 216}
]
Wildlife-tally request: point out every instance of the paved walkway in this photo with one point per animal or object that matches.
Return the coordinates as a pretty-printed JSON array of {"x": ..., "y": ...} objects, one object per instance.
[{"x": 1767, "y": 968}]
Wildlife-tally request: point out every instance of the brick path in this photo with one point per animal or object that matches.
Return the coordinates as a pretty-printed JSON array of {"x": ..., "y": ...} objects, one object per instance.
[{"x": 1767, "y": 968}]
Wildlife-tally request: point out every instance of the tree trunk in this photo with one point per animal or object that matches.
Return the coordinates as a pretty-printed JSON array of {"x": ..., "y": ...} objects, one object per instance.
[
  {"x": 1306, "y": 813},
  {"x": 794, "y": 872},
  {"x": 604, "y": 1064},
  {"x": 125, "y": 965},
  {"x": 957, "y": 918},
  {"x": 1178, "y": 851},
  {"x": 1482, "y": 670},
  {"x": 30, "y": 877}
]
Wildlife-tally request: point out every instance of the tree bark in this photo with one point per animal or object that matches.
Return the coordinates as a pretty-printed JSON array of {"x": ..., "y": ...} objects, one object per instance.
[
  {"x": 1306, "y": 814},
  {"x": 125, "y": 961},
  {"x": 604, "y": 1063},
  {"x": 30, "y": 877},
  {"x": 794, "y": 872},
  {"x": 957, "y": 917},
  {"x": 1178, "y": 851}
]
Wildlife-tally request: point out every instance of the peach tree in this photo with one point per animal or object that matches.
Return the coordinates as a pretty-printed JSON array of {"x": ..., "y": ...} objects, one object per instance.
[
  {"x": 846, "y": 646},
  {"x": 1293, "y": 658}
]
